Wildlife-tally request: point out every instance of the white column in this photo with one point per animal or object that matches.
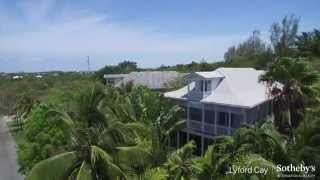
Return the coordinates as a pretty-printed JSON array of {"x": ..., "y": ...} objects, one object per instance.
[
  {"x": 244, "y": 116},
  {"x": 215, "y": 120},
  {"x": 188, "y": 111},
  {"x": 229, "y": 123},
  {"x": 202, "y": 118}
]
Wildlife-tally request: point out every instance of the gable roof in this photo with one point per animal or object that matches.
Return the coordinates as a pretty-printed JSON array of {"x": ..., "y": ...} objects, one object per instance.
[{"x": 239, "y": 87}]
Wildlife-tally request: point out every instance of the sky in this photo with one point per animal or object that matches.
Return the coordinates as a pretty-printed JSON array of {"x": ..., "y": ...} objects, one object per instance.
[{"x": 43, "y": 35}]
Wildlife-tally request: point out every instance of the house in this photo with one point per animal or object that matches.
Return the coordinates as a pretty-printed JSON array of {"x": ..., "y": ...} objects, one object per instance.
[
  {"x": 17, "y": 77},
  {"x": 155, "y": 80},
  {"x": 217, "y": 102}
]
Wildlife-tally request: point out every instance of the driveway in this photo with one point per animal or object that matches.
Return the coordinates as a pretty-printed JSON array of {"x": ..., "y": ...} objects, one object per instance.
[{"x": 8, "y": 163}]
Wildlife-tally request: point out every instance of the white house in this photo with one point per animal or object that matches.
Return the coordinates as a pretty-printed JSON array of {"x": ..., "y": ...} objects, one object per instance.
[{"x": 217, "y": 102}]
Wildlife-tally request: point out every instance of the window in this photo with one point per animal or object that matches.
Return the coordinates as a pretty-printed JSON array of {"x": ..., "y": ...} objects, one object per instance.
[
  {"x": 195, "y": 114},
  {"x": 209, "y": 116},
  {"x": 110, "y": 81},
  {"x": 223, "y": 119},
  {"x": 205, "y": 85},
  {"x": 236, "y": 120}
]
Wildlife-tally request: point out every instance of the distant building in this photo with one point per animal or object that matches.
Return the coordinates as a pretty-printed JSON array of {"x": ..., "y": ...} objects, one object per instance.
[
  {"x": 217, "y": 102},
  {"x": 155, "y": 80},
  {"x": 17, "y": 77},
  {"x": 38, "y": 76}
]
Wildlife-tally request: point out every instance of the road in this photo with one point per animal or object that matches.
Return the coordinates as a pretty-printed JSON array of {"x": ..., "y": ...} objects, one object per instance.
[{"x": 8, "y": 163}]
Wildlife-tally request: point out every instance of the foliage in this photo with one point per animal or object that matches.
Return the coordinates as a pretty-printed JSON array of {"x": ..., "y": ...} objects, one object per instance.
[
  {"x": 283, "y": 36},
  {"x": 298, "y": 80},
  {"x": 124, "y": 67},
  {"x": 43, "y": 138}
]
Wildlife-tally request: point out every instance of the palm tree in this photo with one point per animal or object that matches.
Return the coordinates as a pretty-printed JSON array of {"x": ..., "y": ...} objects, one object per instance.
[
  {"x": 307, "y": 147},
  {"x": 291, "y": 83},
  {"x": 160, "y": 130},
  {"x": 179, "y": 163},
  {"x": 86, "y": 161},
  {"x": 260, "y": 145},
  {"x": 98, "y": 140},
  {"x": 262, "y": 139}
]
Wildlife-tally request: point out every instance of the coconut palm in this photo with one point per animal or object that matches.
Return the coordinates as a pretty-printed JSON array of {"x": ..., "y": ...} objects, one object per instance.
[
  {"x": 260, "y": 145},
  {"x": 307, "y": 147},
  {"x": 291, "y": 83},
  {"x": 179, "y": 163},
  {"x": 98, "y": 141},
  {"x": 262, "y": 139},
  {"x": 87, "y": 160}
]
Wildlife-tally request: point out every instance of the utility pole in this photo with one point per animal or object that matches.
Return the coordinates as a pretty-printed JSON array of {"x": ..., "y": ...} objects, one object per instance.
[{"x": 88, "y": 63}]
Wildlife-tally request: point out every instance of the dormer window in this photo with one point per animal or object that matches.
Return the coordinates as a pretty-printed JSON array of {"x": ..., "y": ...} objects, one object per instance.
[{"x": 205, "y": 85}]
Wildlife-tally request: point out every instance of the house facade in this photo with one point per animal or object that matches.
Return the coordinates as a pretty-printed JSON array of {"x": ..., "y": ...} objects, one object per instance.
[{"x": 218, "y": 102}]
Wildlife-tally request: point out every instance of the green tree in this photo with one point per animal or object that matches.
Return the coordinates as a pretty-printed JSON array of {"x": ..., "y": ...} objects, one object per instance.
[
  {"x": 179, "y": 163},
  {"x": 44, "y": 137},
  {"x": 283, "y": 36},
  {"x": 308, "y": 44},
  {"x": 292, "y": 86}
]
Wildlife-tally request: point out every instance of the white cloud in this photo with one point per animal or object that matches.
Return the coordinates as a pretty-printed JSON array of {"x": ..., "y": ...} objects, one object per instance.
[{"x": 77, "y": 34}]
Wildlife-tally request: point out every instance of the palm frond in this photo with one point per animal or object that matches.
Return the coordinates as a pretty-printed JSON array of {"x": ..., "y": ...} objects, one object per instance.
[{"x": 54, "y": 168}]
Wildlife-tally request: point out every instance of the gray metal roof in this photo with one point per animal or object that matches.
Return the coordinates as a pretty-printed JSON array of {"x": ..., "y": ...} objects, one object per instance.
[
  {"x": 107, "y": 76},
  {"x": 151, "y": 79}
]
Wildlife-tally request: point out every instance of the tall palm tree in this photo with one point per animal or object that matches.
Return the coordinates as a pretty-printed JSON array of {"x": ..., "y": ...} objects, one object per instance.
[{"x": 292, "y": 86}]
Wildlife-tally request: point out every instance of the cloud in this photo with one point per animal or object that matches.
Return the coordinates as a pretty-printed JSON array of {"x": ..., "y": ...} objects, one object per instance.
[{"x": 81, "y": 33}]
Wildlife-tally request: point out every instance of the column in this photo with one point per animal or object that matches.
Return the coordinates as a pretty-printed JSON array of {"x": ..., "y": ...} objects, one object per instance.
[
  {"x": 202, "y": 118},
  {"x": 215, "y": 120},
  {"x": 244, "y": 116},
  {"x": 188, "y": 112},
  {"x": 202, "y": 144},
  {"x": 229, "y": 122},
  {"x": 178, "y": 139}
]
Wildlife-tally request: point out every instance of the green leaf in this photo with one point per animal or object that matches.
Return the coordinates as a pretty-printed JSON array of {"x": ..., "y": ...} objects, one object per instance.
[
  {"x": 54, "y": 168},
  {"x": 84, "y": 172}
]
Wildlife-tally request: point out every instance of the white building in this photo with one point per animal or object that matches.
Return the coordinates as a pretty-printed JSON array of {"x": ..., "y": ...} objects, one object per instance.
[{"x": 217, "y": 102}]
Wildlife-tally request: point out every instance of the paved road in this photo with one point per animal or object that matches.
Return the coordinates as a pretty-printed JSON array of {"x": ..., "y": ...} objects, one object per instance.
[{"x": 8, "y": 164}]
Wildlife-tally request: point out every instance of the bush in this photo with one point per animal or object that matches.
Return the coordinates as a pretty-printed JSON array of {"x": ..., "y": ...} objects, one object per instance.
[{"x": 43, "y": 138}]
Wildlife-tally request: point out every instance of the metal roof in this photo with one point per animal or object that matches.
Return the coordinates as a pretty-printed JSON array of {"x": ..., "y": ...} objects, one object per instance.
[
  {"x": 239, "y": 87},
  {"x": 151, "y": 79}
]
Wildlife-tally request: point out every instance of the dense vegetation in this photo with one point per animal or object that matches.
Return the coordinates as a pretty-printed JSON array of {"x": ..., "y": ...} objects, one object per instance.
[{"x": 73, "y": 127}]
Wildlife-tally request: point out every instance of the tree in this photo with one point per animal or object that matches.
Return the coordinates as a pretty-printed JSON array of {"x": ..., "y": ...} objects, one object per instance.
[
  {"x": 96, "y": 142},
  {"x": 44, "y": 137},
  {"x": 307, "y": 146},
  {"x": 308, "y": 44},
  {"x": 292, "y": 86},
  {"x": 253, "y": 52},
  {"x": 250, "y": 146},
  {"x": 124, "y": 67},
  {"x": 179, "y": 163},
  {"x": 87, "y": 161},
  {"x": 283, "y": 36}
]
